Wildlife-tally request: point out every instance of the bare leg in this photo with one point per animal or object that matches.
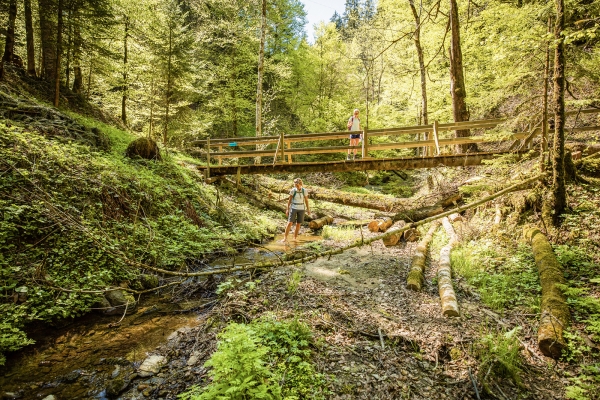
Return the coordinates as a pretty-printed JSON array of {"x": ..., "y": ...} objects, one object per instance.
[
  {"x": 296, "y": 231},
  {"x": 287, "y": 231}
]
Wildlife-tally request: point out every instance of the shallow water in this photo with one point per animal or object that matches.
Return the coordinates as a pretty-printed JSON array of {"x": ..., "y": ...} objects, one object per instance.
[{"x": 77, "y": 359}]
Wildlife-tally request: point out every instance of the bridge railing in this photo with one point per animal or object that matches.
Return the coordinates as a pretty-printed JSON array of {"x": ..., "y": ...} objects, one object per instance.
[{"x": 282, "y": 144}]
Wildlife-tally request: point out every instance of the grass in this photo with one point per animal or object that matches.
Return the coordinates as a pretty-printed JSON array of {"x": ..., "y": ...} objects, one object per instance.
[
  {"x": 505, "y": 278},
  {"x": 338, "y": 234}
]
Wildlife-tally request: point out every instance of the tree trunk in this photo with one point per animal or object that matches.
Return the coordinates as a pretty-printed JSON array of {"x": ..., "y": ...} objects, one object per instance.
[
  {"x": 380, "y": 225},
  {"x": 444, "y": 274},
  {"x": 9, "y": 47},
  {"x": 555, "y": 316},
  {"x": 29, "y": 38},
  {"x": 125, "y": 86},
  {"x": 544, "y": 141},
  {"x": 47, "y": 11},
  {"x": 58, "y": 54},
  {"x": 168, "y": 94},
  {"x": 558, "y": 164},
  {"x": 77, "y": 45},
  {"x": 457, "y": 81},
  {"x": 69, "y": 48},
  {"x": 414, "y": 281},
  {"x": 321, "y": 222},
  {"x": 261, "y": 66},
  {"x": 423, "y": 72}
]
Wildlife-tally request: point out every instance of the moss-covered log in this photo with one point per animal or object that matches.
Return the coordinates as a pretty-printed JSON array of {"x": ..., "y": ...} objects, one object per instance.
[
  {"x": 417, "y": 266},
  {"x": 555, "y": 316},
  {"x": 444, "y": 273},
  {"x": 321, "y": 222}
]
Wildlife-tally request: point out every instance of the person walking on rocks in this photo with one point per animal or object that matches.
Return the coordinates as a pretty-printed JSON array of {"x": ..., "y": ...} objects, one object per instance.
[
  {"x": 296, "y": 207},
  {"x": 354, "y": 126}
]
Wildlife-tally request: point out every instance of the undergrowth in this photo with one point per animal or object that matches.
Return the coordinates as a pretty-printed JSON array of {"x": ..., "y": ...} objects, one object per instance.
[
  {"x": 75, "y": 219},
  {"x": 505, "y": 278},
  {"x": 266, "y": 359}
]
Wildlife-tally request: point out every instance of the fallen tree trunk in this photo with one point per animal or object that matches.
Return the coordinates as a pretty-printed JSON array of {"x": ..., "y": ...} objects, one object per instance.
[
  {"x": 264, "y": 199},
  {"x": 393, "y": 239},
  {"x": 555, "y": 316},
  {"x": 354, "y": 223},
  {"x": 380, "y": 225},
  {"x": 419, "y": 214},
  {"x": 370, "y": 201},
  {"x": 321, "y": 222},
  {"x": 414, "y": 281},
  {"x": 328, "y": 253},
  {"x": 444, "y": 274}
]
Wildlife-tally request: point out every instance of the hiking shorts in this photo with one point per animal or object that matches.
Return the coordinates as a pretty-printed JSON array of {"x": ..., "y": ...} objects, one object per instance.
[
  {"x": 355, "y": 136},
  {"x": 296, "y": 216}
]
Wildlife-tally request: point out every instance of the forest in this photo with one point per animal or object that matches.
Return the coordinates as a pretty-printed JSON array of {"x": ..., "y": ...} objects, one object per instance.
[{"x": 452, "y": 253}]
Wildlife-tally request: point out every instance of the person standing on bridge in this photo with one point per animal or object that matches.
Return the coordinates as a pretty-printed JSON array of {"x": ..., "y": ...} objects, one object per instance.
[
  {"x": 354, "y": 126},
  {"x": 296, "y": 207}
]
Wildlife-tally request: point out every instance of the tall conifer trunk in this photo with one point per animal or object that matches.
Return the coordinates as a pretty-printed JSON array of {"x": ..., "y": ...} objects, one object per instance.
[
  {"x": 125, "y": 86},
  {"x": 58, "y": 54},
  {"x": 77, "y": 44},
  {"x": 457, "y": 80},
  {"x": 9, "y": 47},
  {"x": 169, "y": 85},
  {"x": 47, "y": 12},
  {"x": 558, "y": 165},
  {"x": 29, "y": 38}
]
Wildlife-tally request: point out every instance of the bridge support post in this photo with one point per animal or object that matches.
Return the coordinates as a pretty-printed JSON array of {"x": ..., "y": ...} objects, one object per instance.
[
  {"x": 289, "y": 145},
  {"x": 282, "y": 144},
  {"x": 365, "y": 144},
  {"x": 208, "y": 157}
]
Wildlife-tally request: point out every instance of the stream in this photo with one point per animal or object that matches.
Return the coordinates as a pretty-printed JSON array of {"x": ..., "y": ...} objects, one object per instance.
[{"x": 81, "y": 358}]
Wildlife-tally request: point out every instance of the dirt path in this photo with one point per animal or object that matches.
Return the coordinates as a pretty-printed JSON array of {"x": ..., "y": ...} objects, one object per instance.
[{"x": 347, "y": 300}]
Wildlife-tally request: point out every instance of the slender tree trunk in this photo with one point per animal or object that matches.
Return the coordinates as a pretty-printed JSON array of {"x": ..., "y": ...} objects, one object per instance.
[
  {"x": 125, "y": 86},
  {"x": 29, "y": 38},
  {"x": 457, "y": 80},
  {"x": 89, "y": 81},
  {"x": 69, "y": 48},
  {"x": 261, "y": 65},
  {"x": 544, "y": 144},
  {"x": 151, "y": 128},
  {"x": 77, "y": 44},
  {"x": 417, "y": 40},
  {"x": 558, "y": 165},
  {"x": 168, "y": 97},
  {"x": 58, "y": 54},
  {"x": 9, "y": 47},
  {"x": 47, "y": 12}
]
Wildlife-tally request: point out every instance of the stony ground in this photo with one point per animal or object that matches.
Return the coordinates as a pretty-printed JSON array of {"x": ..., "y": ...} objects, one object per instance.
[{"x": 374, "y": 338}]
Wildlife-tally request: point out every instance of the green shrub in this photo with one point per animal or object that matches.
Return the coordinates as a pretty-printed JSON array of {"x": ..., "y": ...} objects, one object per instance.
[
  {"x": 499, "y": 356},
  {"x": 266, "y": 359}
]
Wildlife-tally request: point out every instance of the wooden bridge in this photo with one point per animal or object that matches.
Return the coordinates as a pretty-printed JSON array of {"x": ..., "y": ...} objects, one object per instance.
[{"x": 279, "y": 149}]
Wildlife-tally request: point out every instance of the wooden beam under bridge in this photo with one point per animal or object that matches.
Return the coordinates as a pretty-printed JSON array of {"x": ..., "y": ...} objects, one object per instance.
[{"x": 372, "y": 164}]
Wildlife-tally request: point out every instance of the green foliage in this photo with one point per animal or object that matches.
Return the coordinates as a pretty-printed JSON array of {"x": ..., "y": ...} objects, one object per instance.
[
  {"x": 294, "y": 281},
  {"x": 338, "y": 234},
  {"x": 500, "y": 357},
  {"x": 265, "y": 359},
  {"x": 585, "y": 385},
  {"x": 503, "y": 280},
  {"x": 74, "y": 218}
]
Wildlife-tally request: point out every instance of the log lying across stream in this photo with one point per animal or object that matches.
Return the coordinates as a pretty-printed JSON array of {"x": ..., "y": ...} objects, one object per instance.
[
  {"x": 555, "y": 316},
  {"x": 417, "y": 267},
  {"x": 358, "y": 243},
  {"x": 372, "y": 201}
]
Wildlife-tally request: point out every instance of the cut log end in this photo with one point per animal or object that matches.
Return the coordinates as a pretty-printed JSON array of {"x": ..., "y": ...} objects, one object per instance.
[{"x": 321, "y": 222}]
